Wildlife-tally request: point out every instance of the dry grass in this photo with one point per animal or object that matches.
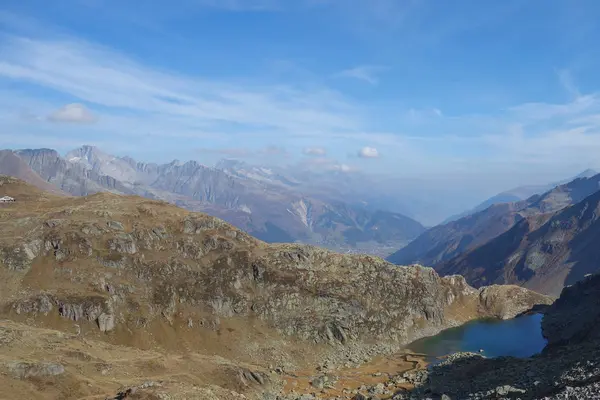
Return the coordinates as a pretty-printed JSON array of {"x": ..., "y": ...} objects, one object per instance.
[{"x": 96, "y": 370}]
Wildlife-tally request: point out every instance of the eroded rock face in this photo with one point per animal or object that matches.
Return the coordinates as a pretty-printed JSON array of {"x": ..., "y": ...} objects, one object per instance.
[
  {"x": 93, "y": 308},
  {"x": 106, "y": 322},
  {"x": 76, "y": 309}
]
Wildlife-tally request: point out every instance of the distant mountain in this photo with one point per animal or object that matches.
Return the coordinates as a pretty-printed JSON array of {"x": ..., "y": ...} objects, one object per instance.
[
  {"x": 444, "y": 242},
  {"x": 518, "y": 194},
  {"x": 73, "y": 178},
  {"x": 13, "y": 165},
  {"x": 268, "y": 175},
  {"x": 541, "y": 252},
  {"x": 261, "y": 201},
  {"x": 335, "y": 185}
]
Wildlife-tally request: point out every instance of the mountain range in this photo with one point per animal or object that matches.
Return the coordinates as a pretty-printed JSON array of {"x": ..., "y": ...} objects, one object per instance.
[
  {"x": 518, "y": 194},
  {"x": 271, "y": 206},
  {"x": 543, "y": 242},
  {"x": 508, "y": 242},
  {"x": 542, "y": 252}
]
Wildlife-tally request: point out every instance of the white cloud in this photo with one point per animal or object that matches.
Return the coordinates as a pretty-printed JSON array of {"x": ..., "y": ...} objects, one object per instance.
[
  {"x": 367, "y": 73},
  {"x": 314, "y": 151},
  {"x": 421, "y": 115},
  {"x": 368, "y": 152},
  {"x": 72, "y": 113},
  {"x": 342, "y": 168}
]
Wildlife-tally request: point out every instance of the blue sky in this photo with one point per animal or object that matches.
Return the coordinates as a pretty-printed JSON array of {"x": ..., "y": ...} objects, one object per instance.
[{"x": 471, "y": 95}]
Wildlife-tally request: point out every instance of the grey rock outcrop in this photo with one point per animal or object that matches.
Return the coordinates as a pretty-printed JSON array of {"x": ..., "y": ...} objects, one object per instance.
[
  {"x": 106, "y": 322},
  {"x": 22, "y": 370},
  {"x": 19, "y": 258},
  {"x": 95, "y": 309}
]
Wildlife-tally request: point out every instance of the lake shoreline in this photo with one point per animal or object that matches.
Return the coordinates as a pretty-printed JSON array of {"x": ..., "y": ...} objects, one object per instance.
[
  {"x": 386, "y": 376},
  {"x": 518, "y": 337},
  {"x": 383, "y": 375}
]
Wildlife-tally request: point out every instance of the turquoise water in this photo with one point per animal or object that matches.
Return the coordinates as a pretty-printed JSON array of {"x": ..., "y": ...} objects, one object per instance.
[{"x": 518, "y": 337}]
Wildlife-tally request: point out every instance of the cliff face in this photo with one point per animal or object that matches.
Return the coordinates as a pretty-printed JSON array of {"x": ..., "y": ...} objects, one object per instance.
[{"x": 73, "y": 178}]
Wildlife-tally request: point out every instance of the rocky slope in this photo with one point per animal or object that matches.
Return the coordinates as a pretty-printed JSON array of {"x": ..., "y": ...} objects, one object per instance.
[
  {"x": 266, "y": 208},
  {"x": 442, "y": 243},
  {"x": 155, "y": 278},
  {"x": 543, "y": 253},
  {"x": 568, "y": 368}
]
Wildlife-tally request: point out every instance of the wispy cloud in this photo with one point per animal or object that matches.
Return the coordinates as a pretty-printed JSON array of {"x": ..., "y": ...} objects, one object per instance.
[
  {"x": 327, "y": 164},
  {"x": 567, "y": 82},
  {"x": 238, "y": 152},
  {"x": 366, "y": 73},
  {"x": 418, "y": 115},
  {"x": 72, "y": 113},
  {"x": 273, "y": 151},
  {"x": 314, "y": 151},
  {"x": 104, "y": 78},
  {"x": 226, "y": 152},
  {"x": 530, "y": 112}
]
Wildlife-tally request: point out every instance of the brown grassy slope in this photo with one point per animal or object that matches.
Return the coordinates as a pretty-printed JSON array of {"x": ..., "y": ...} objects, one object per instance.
[
  {"x": 150, "y": 276},
  {"x": 94, "y": 369}
]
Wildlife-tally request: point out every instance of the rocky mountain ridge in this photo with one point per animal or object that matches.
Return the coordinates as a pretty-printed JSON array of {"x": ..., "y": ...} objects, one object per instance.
[
  {"x": 147, "y": 275},
  {"x": 520, "y": 193},
  {"x": 543, "y": 253},
  {"x": 445, "y": 242}
]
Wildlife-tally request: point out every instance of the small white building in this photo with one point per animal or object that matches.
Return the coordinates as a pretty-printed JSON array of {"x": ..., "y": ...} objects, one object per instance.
[{"x": 7, "y": 199}]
